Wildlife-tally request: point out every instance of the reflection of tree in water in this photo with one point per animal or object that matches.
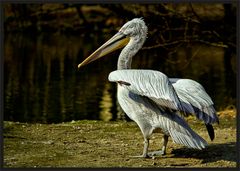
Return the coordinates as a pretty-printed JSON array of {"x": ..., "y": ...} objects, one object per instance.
[{"x": 105, "y": 104}]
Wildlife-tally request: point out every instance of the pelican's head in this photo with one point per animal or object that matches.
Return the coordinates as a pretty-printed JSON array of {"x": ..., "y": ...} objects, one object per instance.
[{"x": 135, "y": 30}]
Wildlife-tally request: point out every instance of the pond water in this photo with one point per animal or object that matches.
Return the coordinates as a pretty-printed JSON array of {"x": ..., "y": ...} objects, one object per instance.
[{"x": 42, "y": 83}]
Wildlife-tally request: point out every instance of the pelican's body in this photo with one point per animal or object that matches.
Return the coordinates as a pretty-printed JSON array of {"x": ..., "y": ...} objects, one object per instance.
[{"x": 153, "y": 100}]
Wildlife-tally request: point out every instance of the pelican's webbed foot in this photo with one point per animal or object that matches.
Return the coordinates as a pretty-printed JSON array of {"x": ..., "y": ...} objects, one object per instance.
[
  {"x": 156, "y": 153},
  {"x": 141, "y": 156}
]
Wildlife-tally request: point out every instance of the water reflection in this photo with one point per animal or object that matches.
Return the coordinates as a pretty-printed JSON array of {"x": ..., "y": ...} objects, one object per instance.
[
  {"x": 106, "y": 104},
  {"x": 42, "y": 83}
]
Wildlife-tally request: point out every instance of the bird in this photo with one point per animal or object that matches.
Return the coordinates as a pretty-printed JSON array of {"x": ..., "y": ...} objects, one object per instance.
[{"x": 155, "y": 102}]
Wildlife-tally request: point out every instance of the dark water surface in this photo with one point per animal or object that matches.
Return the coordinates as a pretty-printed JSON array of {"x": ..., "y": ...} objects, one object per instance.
[{"x": 42, "y": 82}]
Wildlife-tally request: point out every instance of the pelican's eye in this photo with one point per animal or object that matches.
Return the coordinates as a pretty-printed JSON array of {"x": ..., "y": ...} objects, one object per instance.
[
  {"x": 131, "y": 26},
  {"x": 125, "y": 35}
]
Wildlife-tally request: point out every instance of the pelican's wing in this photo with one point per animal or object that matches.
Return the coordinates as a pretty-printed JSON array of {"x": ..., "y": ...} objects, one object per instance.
[
  {"x": 194, "y": 99},
  {"x": 152, "y": 84}
]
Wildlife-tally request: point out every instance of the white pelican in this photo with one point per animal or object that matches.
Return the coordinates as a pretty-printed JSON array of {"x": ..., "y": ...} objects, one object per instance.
[{"x": 150, "y": 98}]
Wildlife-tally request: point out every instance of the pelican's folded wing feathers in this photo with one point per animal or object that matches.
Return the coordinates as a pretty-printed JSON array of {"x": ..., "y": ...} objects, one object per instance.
[{"x": 152, "y": 84}]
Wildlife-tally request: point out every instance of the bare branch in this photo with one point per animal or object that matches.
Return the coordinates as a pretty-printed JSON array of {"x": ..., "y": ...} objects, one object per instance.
[{"x": 219, "y": 44}]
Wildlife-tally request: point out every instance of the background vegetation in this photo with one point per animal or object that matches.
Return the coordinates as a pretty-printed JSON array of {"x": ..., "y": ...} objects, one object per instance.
[{"x": 170, "y": 25}]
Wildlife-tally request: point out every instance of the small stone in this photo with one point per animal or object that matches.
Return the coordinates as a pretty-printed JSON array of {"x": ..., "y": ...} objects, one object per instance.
[{"x": 48, "y": 142}]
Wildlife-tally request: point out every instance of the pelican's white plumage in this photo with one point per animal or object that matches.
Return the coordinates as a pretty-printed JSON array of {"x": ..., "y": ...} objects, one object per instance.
[{"x": 153, "y": 100}]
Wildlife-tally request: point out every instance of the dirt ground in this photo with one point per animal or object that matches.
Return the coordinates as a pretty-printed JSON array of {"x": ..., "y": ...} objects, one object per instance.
[{"x": 98, "y": 144}]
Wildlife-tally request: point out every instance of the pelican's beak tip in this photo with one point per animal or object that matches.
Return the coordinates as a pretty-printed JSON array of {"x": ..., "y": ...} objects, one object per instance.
[{"x": 79, "y": 65}]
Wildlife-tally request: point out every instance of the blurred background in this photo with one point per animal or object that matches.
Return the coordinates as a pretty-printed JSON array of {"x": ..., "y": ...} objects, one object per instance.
[{"x": 44, "y": 43}]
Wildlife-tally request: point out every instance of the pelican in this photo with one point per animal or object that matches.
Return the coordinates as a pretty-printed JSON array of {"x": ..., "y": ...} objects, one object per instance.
[{"x": 151, "y": 99}]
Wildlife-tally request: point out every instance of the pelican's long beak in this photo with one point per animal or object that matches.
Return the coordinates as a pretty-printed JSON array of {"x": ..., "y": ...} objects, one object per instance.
[{"x": 118, "y": 41}]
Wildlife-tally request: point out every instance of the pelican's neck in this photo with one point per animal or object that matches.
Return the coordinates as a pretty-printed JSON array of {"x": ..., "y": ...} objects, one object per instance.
[{"x": 125, "y": 57}]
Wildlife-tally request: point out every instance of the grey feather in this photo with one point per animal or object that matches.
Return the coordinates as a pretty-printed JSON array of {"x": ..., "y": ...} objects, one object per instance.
[{"x": 195, "y": 100}]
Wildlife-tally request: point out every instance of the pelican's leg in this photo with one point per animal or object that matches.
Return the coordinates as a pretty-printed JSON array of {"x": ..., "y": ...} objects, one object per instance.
[
  {"x": 145, "y": 149},
  {"x": 165, "y": 141},
  {"x": 163, "y": 151},
  {"x": 146, "y": 131}
]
